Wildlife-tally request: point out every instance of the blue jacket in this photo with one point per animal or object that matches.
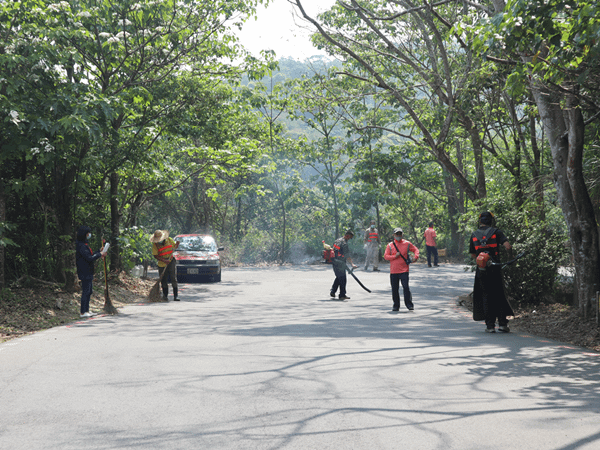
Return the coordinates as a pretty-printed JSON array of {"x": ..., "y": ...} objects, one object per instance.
[{"x": 84, "y": 255}]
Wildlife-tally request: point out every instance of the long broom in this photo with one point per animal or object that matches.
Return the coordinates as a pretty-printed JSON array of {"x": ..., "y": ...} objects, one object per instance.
[
  {"x": 155, "y": 294},
  {"x": 108, "y": 305}
]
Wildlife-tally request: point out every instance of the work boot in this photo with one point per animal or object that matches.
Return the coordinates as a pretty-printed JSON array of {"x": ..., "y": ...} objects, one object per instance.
[
  {"x": 332, "y": 294},
  {"x": 504, "y": 329},
  {"x": 344, "y": 297},
  {"x": 490, "y": 330}
]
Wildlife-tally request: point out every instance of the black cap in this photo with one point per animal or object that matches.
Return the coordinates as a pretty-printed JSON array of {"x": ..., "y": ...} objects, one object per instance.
[{"x": 486, "y": 218}]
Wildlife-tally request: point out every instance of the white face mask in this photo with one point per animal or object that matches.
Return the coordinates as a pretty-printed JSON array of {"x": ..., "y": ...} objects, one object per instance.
[
  {"x": 372, "y": 226},
  {"x": 398, "y": 238},
  {"x": 89, "y": 235}
]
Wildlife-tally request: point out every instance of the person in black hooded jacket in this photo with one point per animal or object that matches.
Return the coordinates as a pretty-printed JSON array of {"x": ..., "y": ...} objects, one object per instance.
[
  {"x": 85, "y": 258},
  {"x": 489, "y": 299}
]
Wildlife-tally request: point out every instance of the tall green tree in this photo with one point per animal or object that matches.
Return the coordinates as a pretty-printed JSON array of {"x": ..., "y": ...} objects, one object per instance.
[
  {"x": 552, "y": 49},
  {"x": 404, "y": 50},
  {"x": 53, "y": 123},
  {"x": 87, "y": 90},
  {"x": 128, "y": 50},
  {"x": 282, "y": 180},
  {"x": 331, "y": 156}
]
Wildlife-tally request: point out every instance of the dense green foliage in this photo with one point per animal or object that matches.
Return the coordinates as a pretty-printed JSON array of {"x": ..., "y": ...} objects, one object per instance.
[{"x": 133, "y": 116}]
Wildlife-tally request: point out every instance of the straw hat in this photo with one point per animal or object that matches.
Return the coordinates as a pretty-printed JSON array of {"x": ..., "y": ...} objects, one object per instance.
[{"x": 159, "y": 235}]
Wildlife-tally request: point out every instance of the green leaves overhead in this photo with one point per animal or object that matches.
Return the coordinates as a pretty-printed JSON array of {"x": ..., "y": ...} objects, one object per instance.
[
  {"x": 95, "y": 93},
  {"x": 554, "y": 39}
]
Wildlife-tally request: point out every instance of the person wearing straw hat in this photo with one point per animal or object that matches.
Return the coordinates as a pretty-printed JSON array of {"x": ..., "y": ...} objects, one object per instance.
[{"x": 162, "y": 249}]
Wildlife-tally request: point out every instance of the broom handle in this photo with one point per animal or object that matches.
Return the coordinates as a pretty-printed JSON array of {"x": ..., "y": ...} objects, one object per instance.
[
  {"x": 104, "y": 260},
  {"x": 164, "y": 271},
  {"x": 105, "y": 278}
]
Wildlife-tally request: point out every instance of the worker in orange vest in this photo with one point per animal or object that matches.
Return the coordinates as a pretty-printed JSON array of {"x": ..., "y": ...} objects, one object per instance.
[
  {"x": 431, "y": 245},
  {"x": 162, "y": 249},
  {"x": 372, "y": 243}
]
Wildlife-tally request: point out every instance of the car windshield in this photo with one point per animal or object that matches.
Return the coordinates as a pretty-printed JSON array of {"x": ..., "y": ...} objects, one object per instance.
[{"x": 197, "y": 244}]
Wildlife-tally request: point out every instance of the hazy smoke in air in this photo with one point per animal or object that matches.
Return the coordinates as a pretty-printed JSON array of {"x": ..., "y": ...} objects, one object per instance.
[{"x": 299, "y": 255}]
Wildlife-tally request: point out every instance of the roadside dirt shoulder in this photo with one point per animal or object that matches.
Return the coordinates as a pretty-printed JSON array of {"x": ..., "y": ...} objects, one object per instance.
[
  {"x": 552, "y": 321},
  {"x": 25, "y": 310}
]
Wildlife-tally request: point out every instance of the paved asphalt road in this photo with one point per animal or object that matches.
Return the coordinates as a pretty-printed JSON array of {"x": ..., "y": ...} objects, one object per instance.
[{"x": 266, "y": 360}]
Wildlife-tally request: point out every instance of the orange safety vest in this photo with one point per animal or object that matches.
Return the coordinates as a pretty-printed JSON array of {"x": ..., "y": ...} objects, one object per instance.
[
  {"x": 337, "y": 248},
  {"x": 165, "y": 251},
  {"x": 372, "y": 236},
  {"x": 486, "y": 241}
]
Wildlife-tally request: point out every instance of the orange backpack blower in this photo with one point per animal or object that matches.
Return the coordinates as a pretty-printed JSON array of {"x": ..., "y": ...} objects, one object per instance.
[{"x": 328, "y": 253}]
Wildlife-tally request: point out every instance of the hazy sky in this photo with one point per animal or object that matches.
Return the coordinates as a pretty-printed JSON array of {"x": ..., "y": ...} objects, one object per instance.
[{"x": 278, "y": 28}]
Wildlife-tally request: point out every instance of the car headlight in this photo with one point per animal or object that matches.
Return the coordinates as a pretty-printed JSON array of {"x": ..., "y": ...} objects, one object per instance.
[{"x": 213, "y": 261}]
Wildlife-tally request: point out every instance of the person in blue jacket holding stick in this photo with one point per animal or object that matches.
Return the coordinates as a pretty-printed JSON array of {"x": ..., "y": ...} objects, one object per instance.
[{"x": 85, "y": 258}]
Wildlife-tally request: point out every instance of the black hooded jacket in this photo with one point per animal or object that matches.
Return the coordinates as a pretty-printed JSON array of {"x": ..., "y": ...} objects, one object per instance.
[{"x": 85, "y": 256}]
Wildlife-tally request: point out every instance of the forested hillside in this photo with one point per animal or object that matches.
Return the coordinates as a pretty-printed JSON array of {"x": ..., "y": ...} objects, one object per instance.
[{"x": 133, "y": 116}]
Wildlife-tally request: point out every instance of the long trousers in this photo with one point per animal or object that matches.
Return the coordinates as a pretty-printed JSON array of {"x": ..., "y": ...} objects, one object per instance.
[
  {"x": 340, "y": 281},
  {"x": 432, "y": 251},
  {"x": 395, "y": 280},
  {"x": 86, "y": 293},
  {"x": 171, "y": 273},
  {"x": 493, "y": 296},
  {"x": 339, "y": 269},
  {"x": 372, "y": 256}
]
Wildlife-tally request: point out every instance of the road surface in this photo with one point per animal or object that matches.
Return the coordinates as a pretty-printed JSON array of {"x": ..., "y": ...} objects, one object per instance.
[{"x": 267, "y": 360}]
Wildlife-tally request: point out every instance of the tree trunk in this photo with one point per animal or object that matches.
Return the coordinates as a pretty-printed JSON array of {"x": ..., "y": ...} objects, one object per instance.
[
  {"x": 536, "y": 169},
  {"x": 565, "y": 131},
  {"x": 2, "y": 221},
  {"x": 473, "y": 131},
  {"x": 193, "y": 199},
  {"x": 63, "y": 180},
  {"x": 284, "y": 227},
  {"x": 452, "y": 201},
  {"x": 115, "y": 251}
]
